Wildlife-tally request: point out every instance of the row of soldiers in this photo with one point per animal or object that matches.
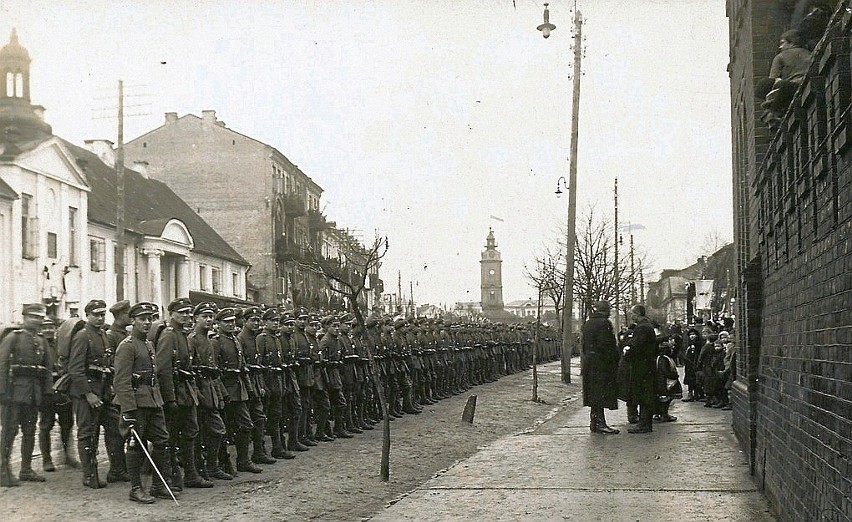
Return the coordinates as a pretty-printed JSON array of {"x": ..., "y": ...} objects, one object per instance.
[{"x": 206, "y": 377}]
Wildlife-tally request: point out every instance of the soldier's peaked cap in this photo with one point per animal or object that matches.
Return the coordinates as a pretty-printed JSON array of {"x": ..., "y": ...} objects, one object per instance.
[
  {"x": 271, "y": 313},
  {"x": 181, "y": 304},
  {"x": 34, "y": 309},
  {"x": 205, "y": 307},
  {"x": 143, "y": 308},
  {"x": 120, "y": 307},
  {"x": 226, "y": 314},
  {"x": 96, "y": 306},
  {"x": 252, "y": 311}
]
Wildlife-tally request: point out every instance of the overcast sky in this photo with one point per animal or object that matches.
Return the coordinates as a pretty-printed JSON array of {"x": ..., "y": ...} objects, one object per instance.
[{"x": 425, "y": 120}]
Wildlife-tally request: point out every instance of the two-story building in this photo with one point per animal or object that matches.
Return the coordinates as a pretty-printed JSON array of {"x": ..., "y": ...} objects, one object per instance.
[{"x": 58, "y": 210}]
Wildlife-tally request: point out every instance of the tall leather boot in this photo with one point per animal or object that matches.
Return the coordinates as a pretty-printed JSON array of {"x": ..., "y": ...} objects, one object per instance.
[
  {"x": 259, "y": 455},
  {"x": 27, "y": 446},
  {"x": 133, "y": 464},
  {"x": 408, "y": 405},
  {"x": 242, "y": 440},
  {"x": 7, "y": 480},
  {"x": 278, "y": 451},
  {"x": 293, "y": 442},
  {"x": 192, "y": 479},
  {"x": 70, "y": 460},
  {"x": 340, "y": 425},
  {"x": 162, "y": 457},
  {"x": 226, "y": 463},
  {"x": 322, "y": 423},
  {"x": 117, "y": 463},
  {"x": 89, "y": 458},
  {"x": 602, "y": 425},
  {"x": 44, "y": 447},
  {"x": 214, "y": 471},
  {"x": 593, "y": 420},
  {"x": 352, "y": 425}
]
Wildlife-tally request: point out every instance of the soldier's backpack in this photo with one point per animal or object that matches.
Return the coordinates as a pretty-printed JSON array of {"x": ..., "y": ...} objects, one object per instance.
[
  {"x": 64, "y": 335},
  {"x": 155, "y": 331}
]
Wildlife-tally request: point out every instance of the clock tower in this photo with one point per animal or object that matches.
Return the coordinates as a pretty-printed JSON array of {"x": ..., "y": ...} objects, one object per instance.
[{"x": 491, "y": 276}]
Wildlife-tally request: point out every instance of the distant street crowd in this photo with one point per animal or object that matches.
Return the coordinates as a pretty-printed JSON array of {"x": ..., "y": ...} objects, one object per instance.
[{"x": 206, "y": 378}]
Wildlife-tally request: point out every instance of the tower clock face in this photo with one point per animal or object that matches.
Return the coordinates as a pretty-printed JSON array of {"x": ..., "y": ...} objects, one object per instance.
[{"x": 491, "y": 272}]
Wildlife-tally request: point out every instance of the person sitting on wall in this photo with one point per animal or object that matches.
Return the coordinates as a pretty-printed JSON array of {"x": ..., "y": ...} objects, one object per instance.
[{"x": 788, "y": 71}]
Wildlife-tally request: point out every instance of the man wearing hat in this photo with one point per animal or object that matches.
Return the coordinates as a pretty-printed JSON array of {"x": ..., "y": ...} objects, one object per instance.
[
  {"x": 211, "y": 391},
  {"x": 55, "y": 406},
  {"x": 641, "y": 357},
  {"x": 305, "y": 375},
  {"x": 116, "y": 333},
  {"x": 270, "y": 356},
  {"x": 332, "y": 349},
  {"x": 25, "y": 379},
  {"x": 252, "y": 317},
  {"x": 293, "y": 403},
  {"x": 137, "y": 393},
  {"x": 600, "y": 365},
  {"x": 91, "y": 373},
  {"x": 180, "y": 395},
  {"x": 236, "y": 380}
]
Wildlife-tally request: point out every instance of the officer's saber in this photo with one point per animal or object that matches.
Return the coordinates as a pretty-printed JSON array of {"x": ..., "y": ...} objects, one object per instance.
[{"x": 145, "y": 450}]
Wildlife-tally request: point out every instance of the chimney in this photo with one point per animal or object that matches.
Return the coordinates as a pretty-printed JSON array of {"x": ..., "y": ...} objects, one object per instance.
[
  {"x": 171, "y": 117},
  {"x": 39, "y": 111},
  {"x": 209, "y": 116},
  {"x": 104, "y": 150},
  {"x": 141, "y": 166}
]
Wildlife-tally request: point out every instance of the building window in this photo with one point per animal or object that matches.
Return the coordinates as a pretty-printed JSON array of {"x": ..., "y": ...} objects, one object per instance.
[
  {"x": 51, "y": 245},
  {"x": 97, "y": 254},
  {"x": 235, "y": 282},
  {"x": 217, "y": 280},
  {"x": 202, "y": 277},
  {"x": 29, "y": 228},
  {"x": 72, "y": 236},
  {"x": 10, "y": 85}
]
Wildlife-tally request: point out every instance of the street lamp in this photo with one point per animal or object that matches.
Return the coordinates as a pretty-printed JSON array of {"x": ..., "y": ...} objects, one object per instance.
[
  {"x": 571, "y": 232},
  {"x": 546, "y": 27},
  {"x": 561, "y": 182}
]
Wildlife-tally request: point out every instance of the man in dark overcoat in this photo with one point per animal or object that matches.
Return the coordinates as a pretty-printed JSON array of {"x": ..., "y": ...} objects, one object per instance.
[
  {"x": 600, "y": 365},
  {"x": 641, "y": 355}
]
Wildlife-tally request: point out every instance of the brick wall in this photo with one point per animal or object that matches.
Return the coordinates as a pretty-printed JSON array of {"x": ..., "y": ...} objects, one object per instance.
[{"x": 793, "y": 400}]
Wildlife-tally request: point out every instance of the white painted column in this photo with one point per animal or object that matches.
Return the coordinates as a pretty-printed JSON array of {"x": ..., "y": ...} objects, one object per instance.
[
  {"x": 154, "y": 276},
  {"x": 183, "y": 277}
]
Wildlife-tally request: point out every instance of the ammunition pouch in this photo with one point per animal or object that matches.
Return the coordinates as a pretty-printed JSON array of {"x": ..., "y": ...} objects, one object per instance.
[{"x": 143, "y": 378}]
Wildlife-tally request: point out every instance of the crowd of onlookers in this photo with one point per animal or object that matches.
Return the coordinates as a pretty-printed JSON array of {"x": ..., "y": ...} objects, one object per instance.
[{"x": 707, "y": 352}]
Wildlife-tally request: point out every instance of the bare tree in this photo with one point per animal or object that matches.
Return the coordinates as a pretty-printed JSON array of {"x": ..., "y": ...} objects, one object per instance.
[
  {"x": 348, "y": 275},
  {"x": 596, "y": 277},
  {"x": 713, "y": 241},
  {"x": 547, "y": 274}
]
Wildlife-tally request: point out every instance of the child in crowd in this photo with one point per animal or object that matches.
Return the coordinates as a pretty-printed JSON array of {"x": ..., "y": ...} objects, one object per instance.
[
  {"x": 690, "y": 370},
  {"x": 668, "y": 383}
]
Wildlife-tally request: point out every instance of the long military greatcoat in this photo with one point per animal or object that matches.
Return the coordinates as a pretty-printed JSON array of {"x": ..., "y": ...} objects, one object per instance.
[
  {"x": 600, "y": 363},
  {"x": 642, "y": 361}
]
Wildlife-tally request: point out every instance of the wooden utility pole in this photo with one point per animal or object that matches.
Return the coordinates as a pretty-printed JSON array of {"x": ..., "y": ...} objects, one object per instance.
[
  {"x": 568, "y": 308},
  {"x": 120, "y": 200},
  {"x": 617, "y": 285}
]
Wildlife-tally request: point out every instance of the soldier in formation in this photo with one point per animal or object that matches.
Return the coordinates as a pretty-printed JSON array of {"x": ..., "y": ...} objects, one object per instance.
[{"x": 200, "y": 381}]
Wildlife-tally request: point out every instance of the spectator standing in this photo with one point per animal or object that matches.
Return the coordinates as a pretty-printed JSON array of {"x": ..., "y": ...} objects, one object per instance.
[{"x": 600, "y": 365}]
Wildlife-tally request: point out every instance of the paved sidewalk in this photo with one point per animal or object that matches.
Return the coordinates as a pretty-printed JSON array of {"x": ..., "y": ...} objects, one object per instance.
[{"x": 690, "y": 469}]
